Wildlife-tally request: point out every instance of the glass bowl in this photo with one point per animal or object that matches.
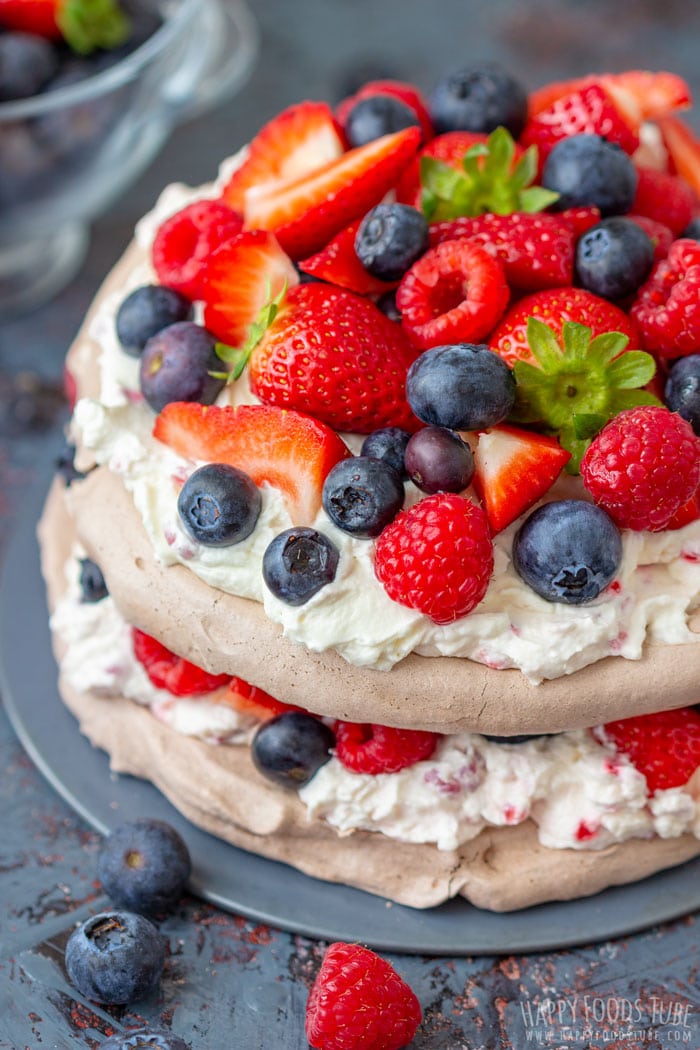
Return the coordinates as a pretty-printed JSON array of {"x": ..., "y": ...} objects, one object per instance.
[{"x": 67, "y": 154}]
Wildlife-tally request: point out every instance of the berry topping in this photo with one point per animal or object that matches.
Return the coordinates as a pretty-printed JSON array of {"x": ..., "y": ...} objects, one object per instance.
[
  {"x": 589, "y": 170},
  {"x": 27, "y": 62},
  {"x": 684, "y": 149},
  {"x": 643, "y": 466},
  {"x": 145, "y": 1039},
  {"x": 437, "y": 460},
  {"x": 143, "y": 866},
  {"x": 654, "y": 94},
  {"x": 479, "y": 98},
  {"x": 398, "y": 89},
  {"x": 665, "y": 198},
  {"x": 252, "y": 700},
  {"x": 85, "y": 25},
  {"x": 388, "y": 444},
  {"x": 298, "y": 563},
  {"x": 436, "y": 557},
  {"x": 92, "y": 583},
  {"x": 338, "y": 264},
  {"x": 667, "y": 308},
  {"x": 147, "y": 311},
  {"x": 362, "y": 495},
  {"x": 358, "y": 1000},
  {"x": 377, "y": 749},
  {"x": 462, "y": 387},
  {"x": 567, "y": 551},
  {"x": 614, "y": 258},
  {"x": 290, "y": 748},
  {"x": 377, "y": 115},
  {"x": 665, "y": 746},
  {"x": 185, "y": 241},
  {"x": 682, "y": 392},
  {"x": 177, "y": 365},
  {"x": 115, "y": 957},
  {"x": 588, "y": 111},
  {"x": 171, "y": 672},
  {"x": 389, "y": 240},
  {"x": 455, "y": 293},
  {"x": 288, "y": 450},
  {"x": 660, "y": 235},
  {"x": 513, "y": 469},
  {"x": 219, "y": 505}
]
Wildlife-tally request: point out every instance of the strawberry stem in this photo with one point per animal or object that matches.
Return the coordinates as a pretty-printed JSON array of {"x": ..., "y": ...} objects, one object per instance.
[
  {"x": 87, "y": 25},
  {"x": 238, "y": 357}
]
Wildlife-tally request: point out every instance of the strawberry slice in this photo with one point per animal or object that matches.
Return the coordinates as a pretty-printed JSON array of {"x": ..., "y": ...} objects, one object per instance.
[
  {"x": 406, "y": 93},
  {"x": 684, "y": 148},
  {"x": 338, "y": 264},
  {"x": 664, "y": 198},
  {"x": 239, "y": 278},
  {"x": 168, "y": 671},
  {"x": 654, "y": 94},
  {"x": 513, "y": 469},
  {"x": 306, "y": 213},
  {"x": 297, "y": 141},
  {"x": 665, "y": 747},
  {"x": 590, "y": 110},
  {"x": 285, "y": 449},
  {"x": 251, "y": 700}
]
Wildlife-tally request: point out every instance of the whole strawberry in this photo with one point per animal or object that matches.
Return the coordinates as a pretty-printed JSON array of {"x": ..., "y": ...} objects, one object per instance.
[
  {"x": 642, "y": 467},
  {"x": 359, "y": 1002}
]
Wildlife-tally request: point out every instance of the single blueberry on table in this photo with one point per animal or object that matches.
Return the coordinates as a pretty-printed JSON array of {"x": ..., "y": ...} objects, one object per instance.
[
  {"x": 437, "y": 460},
  {"x": 145, "y": 1039},
  {"x": 292, "y": 747},
  {"x": 682, "y": 392},
  {"x": 92, "y": 582},
  {"x": 463, "y": 386},
  {"x": 389, "y": 240},
  {"x": 115, "y": 957},
  {"x": 147, "y": 311},
  {"x": 389, "y": 444},
  {"x": 377, "y": 115},
  {"x": 176, "y": 365},
  {"x": 144, "y": 866},
  {"x": 567, "y": 551},
  {"x": 479, "y": 98},
  {"x": 362, "y": 495},
  {"x": 219, "y": 505},
  {"x": 588, "y": 170},
  {"x": 298, "y": 563}
]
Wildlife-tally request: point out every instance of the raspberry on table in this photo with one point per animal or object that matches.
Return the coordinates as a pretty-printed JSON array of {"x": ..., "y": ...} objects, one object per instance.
[
  {"x": 359, "y": 1002},
  {"x": 437, "y": 557},
  {"x": 667, "y": 307},
  {"x": 664, "y": 746},
  {"x": 381, "y": 749},
  {"x": 642, "y": 467}
]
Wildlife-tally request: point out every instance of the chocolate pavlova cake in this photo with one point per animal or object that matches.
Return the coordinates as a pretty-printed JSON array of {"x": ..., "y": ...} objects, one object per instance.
[{"x": 383, "y": 554}]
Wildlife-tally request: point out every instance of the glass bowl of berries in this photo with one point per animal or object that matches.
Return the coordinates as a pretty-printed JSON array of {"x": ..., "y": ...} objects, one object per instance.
[{"x": 89, "y": 92}]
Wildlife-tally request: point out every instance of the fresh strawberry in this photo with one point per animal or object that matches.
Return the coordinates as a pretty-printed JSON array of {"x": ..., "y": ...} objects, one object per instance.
[
  {"x": 185, "y": 241},
  {"x": 684, "y": 148},
  {"x": 406, "y": 93},
  {"x": 299, "y": 140},
  {"x": 239, "y": 278},
  {"x": 536, "y": 251},
  {"x": 665, "y": 746},
  {"x": 556, "y": 305},
  {"x": 455, "y": 293},
  {"x": 590, "y": 110},
  {"x": 659, "y": 234},
  {"x": 654, "y": 94},
  {"x": 171, "y": 672},
  {"x": 664, "y": 198},
  {"x": 85, "y": 25},
  {"x": 580, "y": 219},
  {"x": 667, "y": 307},
  {"x": 336, "y": 356},
  {"x": 250, "y": 700},
  {"x": 285, "y": 449},
  {"x": 306, "y": 213},
  {"x": 513, "y": 469},
  {"x": 338, "y": 264},
  {"x": 448, "y": 148}
]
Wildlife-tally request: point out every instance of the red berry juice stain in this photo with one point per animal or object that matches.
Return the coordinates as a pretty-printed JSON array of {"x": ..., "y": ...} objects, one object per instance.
[{"x": 585, "y": 832}]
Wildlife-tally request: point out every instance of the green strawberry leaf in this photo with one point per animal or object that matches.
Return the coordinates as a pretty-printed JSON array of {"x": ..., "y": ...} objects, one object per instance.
[
  {"x": 87, "y": 25},
  {"x": 543, "y": 345},
  {"x": 587, "y": 425},
  {"x": 633, "y": 369},
  {"x": 238, "y": 357},
  {"x": 535, "y": 198}
]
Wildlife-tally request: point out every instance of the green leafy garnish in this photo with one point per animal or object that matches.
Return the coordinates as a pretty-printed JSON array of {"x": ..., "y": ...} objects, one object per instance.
[
  {"x": 87, "y": 25},
  {"x": 238, "y": 357},
  {"x": 490, "y": 182},
  {"x": 579, "y": 385}
]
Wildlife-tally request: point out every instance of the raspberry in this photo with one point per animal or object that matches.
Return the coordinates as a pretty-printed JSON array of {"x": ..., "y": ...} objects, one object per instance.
[
  {"x": 359, "y": 1002},
  {"x": 642, "y": 467},
  {"x": 665, "y": 746},
  {"x": 171, "y": 672},
  {"x": 667, "y": 307},
  {"x": 455, "y": 293},
  {"x": 184, "y": 242},
  {"x": 381, "y": 749},
  {"x": 436, "y": 557},
  {"x": 659, "y": 234}
]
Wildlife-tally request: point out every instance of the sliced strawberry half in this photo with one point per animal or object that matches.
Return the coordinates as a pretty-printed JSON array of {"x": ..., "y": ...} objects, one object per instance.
[
  {"x": 404, "y": 92},
  {"x": 590, "y": 110},
  {"x": 251, "y": 700},
  {"x": 239, "y": 278},
  {"x": 665, "y": 747},
  {"x": 299, "y": 140},
  {"x": 514, "y": 468},
  {"x": 338, "y": 264},
  {"x": 285, "y": 449},
  {"x": 655, "y": 94},
  {"x": 306, "y": 213},
  {"x": 684, "y": 148}
]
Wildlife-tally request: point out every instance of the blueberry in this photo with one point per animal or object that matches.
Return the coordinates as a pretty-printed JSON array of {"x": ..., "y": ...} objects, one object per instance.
[
  {"x": 219, "y": 505},
  {"x": 65, "y": 465},
  {"x": 682, "y": 393},
  {"x": 378, "y": 115},
  {"x": 79, "y": 129},
  {"x": 291, "y": 748},
  {"x": 479, "y": 98},
  {"x": 567, "y": 551},
  {"x": 520, "y": 739},
  {"x": 143, "y": 866},
  {"x": 589, "y": 170},
  {"x": 437, "y": 460},
  {"x": 115, "y": 957},
  {"x": 145, "y": 1039},
  {"x": 389, "y": 444},
  {"x": 92, "y": 582},
  {"x": 389, "y": 240},
  {"x": 464, "y": 386},
  {"x": 692, "y": 230},
  {"x": 176, "y": 365},
  {"x": 362, "y": 495},
  {"x": 27, "y": 62},
  {"x": 613, "y": 258},
  {"x": 387, "y": 304},
  {"x": 147, "y": 311},
  {"x": 298, "y": 563}
]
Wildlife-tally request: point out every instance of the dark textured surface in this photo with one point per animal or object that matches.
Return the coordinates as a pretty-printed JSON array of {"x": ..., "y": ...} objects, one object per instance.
[{"x": 229, "y": 983}]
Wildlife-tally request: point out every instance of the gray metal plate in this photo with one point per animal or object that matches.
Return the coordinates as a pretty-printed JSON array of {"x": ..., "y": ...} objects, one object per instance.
[{"x": 261, "y": 889}]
